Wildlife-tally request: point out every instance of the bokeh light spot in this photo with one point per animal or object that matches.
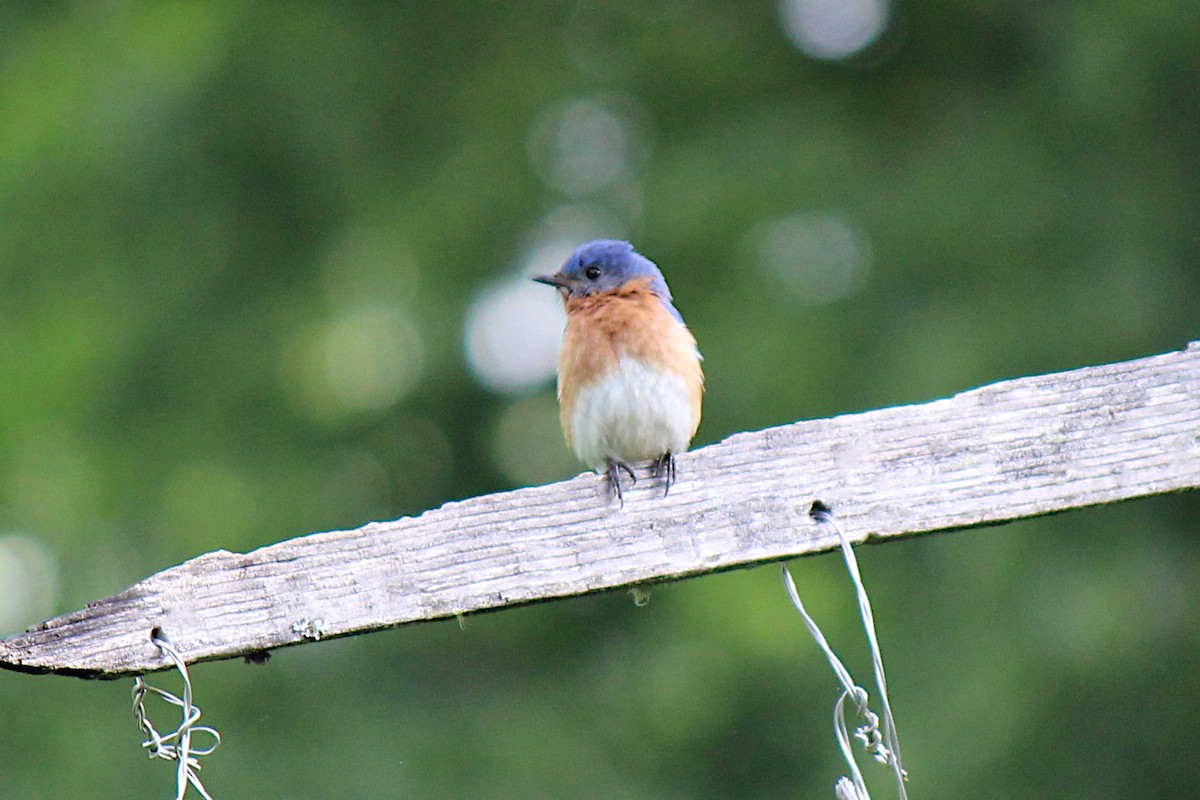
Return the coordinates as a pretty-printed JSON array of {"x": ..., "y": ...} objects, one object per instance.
[
  {"x": 831, "y": 30},
  {"x": 364, "y": 360},
  {"x": 556, "y": 235},
  {"x": 370, "y": 264},
  {"x": 589, "y": 144},
  {"x": 527, "y": 443},
  {"x": 816, "y": 257},
  {"x": 512, "y": 334},
  {"x": 29, "y": 581}
]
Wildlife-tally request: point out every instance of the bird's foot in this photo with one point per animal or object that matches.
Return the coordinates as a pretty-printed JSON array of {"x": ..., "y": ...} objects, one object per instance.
[
  {"x": 612, "y": 474},
  {"x": 664, "y": 467}
]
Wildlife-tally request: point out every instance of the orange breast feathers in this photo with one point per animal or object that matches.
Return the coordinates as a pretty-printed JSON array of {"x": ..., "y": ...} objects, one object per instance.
[{"x": 629, "y": 377}]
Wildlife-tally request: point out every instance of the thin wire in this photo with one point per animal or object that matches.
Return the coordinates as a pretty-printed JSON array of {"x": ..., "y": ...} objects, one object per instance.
[
  {"x": 891, "y": 738},
  {"x": 849, "y": 689},
  {"x": 177, "y": 745},
  {"x": 884, "y": 746}
]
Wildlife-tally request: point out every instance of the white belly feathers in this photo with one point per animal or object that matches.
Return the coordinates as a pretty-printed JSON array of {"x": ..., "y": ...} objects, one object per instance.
[{"x": 633, "y": 413}]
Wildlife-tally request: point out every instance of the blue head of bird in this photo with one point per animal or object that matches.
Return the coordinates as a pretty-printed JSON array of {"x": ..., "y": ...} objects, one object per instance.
[{"x": 605, "y": 265}]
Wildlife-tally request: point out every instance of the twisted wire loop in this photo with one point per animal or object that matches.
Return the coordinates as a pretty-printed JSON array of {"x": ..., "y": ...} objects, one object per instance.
[
  {"x": 176, "y": 745},
  {"x": 883, "y": 743}
]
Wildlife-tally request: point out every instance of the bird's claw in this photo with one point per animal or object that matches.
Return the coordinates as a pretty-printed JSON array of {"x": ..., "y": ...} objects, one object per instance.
[
  {"x": 661, "y": 467},
  {"x": 664, "y": 467},
  {"x": 613, "y": 474}
]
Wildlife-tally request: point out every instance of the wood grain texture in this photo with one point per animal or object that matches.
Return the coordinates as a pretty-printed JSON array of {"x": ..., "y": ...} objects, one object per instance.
[{"x": 1009, "y": 450}]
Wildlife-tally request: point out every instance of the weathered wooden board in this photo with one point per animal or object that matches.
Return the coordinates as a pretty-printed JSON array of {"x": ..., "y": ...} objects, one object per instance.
[{"x": 1013, "y": 449}]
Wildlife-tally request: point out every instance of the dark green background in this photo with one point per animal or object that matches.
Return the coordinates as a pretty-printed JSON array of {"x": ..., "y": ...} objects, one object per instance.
[{"x": 192, "y": 193}]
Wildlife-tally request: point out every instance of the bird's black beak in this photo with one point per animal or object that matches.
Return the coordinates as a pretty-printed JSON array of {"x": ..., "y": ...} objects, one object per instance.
[{"x": 557, "y": 280}]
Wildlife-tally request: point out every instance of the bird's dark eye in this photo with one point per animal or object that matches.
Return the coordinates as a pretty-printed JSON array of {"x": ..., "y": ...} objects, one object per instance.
[{"x": 592, "y": 272}]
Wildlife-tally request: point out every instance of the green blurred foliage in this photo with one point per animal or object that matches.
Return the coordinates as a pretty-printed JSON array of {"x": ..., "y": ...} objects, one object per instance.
[{"x": 196, "y": 198}]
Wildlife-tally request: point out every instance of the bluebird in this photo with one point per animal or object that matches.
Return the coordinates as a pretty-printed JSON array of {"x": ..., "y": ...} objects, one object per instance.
[{"x": 629, "y": 378}]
